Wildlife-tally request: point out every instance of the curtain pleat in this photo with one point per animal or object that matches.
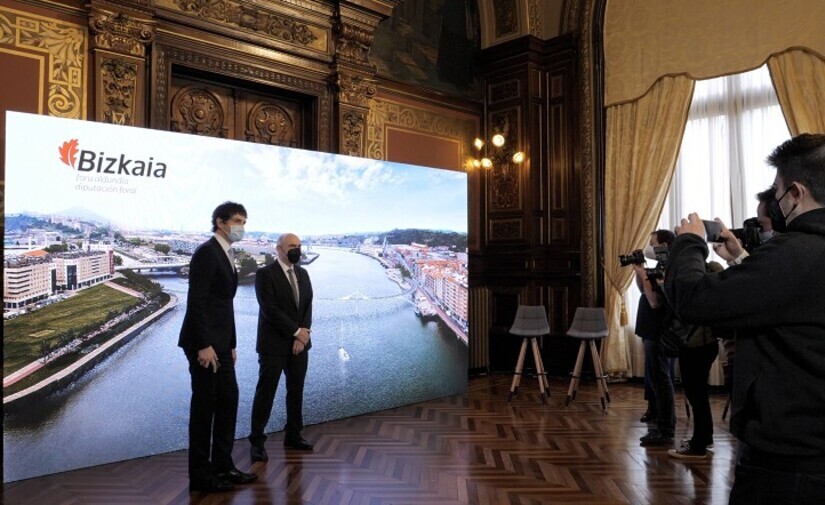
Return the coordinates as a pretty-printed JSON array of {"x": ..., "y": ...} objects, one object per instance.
[
  {"x": 643, "y": 139},
  {"x": 799, "y": 79}
]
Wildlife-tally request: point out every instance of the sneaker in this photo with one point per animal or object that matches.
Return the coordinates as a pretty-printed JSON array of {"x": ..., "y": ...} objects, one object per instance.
[
  {"x": 687, "y": 441},
  {"x": 687, "y": 451},
  {"x": 655, "y": 438}
]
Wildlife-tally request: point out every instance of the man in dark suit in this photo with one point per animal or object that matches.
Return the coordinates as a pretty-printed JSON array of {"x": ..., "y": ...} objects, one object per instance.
[
  {"x": 208, "y": 339},
  {"x": 285, "y": 299}
]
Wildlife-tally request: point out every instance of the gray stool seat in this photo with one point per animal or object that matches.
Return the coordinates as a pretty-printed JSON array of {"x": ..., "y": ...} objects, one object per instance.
[
  {"x": 589, "y": 325},
  {"x": 530, "y": 323}
]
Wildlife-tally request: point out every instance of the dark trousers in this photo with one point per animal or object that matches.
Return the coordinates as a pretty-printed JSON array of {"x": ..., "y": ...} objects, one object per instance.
[
  {"x": 772, "y": 483},
  {"x": 212, "y": 415},
  {"x": 294, "y": 369},
  {"x": 695, "y": 364},
  {"x": 657, "y": 369}
]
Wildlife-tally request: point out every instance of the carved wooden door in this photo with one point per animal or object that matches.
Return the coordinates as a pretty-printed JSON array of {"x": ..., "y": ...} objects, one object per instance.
[{"x": 211, "y": 109}]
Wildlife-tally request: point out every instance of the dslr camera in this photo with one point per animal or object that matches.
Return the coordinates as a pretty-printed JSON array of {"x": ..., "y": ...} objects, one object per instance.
[
  {"x": 637, "y": 257},
  {"x": 748, "y": 234}
]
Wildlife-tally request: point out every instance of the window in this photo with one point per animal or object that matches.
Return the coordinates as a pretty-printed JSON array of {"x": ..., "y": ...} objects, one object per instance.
[{"x": 734, "y": 123}]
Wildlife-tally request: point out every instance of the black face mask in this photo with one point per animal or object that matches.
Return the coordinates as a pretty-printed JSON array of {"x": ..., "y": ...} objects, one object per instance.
[
  {"x": 294, "y": 255},
  {"x": 779, "y": 221}
]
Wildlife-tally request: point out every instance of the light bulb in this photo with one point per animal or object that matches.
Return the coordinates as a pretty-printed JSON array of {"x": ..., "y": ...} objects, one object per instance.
[
  {"x": 478, "y": 143},
  {"x": 518, "y": 157},
  {"x": 486, "y": 163},
  {"x": 498, "y": 140}
]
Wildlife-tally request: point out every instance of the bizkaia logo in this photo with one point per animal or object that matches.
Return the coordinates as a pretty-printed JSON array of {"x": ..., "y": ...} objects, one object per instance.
[{"x": 101, "y": 163}]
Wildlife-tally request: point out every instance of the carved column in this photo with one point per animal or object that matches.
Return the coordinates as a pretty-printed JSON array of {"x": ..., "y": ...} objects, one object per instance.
[
  {"x": 352, "y": 74},
  {"x": 120, "y": 36}
]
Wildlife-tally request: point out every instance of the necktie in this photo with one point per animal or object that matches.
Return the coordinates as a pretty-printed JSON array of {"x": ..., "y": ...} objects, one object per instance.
[
  {"x": 294, "y": 284},
  {"x": 231, "y": 255}
]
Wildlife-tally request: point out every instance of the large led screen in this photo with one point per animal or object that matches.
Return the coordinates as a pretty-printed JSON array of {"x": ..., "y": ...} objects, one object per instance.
[{"x": 100, "y": 225}]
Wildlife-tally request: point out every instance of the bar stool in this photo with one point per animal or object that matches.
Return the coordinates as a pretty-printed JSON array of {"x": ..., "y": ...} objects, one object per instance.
[
  {"x": 531, "y": 322},
  {"x": 589, "y": 324}
]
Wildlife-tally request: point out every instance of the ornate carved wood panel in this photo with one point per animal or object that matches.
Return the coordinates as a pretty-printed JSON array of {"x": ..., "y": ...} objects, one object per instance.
[
  {"x": 308, "y": 103},
  {"x": 207, "y": 108},
  {"x": 531, "y": 253}
]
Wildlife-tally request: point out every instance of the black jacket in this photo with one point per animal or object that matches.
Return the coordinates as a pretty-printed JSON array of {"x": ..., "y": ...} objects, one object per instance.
[
  {"x": 210, "y": 313},
  {"x": 278, "y": 316},
  {"x": 776, "y": 301}
]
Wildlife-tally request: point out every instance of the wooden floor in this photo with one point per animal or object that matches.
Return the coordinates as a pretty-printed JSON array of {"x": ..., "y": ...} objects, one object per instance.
[{"x": 475, "y": 448}]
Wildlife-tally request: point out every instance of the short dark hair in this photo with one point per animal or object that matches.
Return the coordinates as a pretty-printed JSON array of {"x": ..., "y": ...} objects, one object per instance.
[
  {"x": 225, "y": 211},
  {"x": 767, "y": 195},
  {"x": 802, "y": 159},
  {"x": 664, "y": 237}
]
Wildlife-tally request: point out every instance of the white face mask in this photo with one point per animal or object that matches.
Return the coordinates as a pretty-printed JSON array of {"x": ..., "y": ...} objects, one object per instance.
[
  {"x": 235, "y": 233},
  {"x": 649, "y": 252}
]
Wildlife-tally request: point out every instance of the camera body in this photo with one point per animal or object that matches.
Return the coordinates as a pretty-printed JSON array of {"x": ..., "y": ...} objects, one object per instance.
[{"x": 748, "y": 234}]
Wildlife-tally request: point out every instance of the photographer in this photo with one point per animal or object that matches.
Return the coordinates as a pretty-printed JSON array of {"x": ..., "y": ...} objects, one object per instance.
[
  {"x": 696, "y": 357},
  {"x": 734, "y": 250},
  {"x": 658, "y": 367},
  {"x": 775, "y": 300},
  {"x": 768, "y": 223}
]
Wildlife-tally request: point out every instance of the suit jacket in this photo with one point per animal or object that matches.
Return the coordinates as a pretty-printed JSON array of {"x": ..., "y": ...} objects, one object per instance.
[
  {"x": 210, "y": 313},
  {"x": 278, "y": 316}
]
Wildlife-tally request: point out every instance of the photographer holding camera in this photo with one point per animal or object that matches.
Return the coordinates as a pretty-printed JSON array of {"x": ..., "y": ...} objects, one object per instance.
[
  {"x": 775, "y": 300},
  {"x": 649, "y": 320},
  {"x": 736, "y": 245}
]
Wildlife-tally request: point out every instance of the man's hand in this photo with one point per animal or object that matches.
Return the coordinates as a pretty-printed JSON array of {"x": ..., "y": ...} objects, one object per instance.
[
  {"x": 731, "y": 248},
  {"x": 303, "y": 335},
  {"x": 207, "y": 358},
  {"x": 693, "y": 224},
  {"x": 297, "y": 347}
]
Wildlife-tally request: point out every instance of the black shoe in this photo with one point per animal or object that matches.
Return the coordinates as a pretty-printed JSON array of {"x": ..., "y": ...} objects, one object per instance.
[
  {"x": 298, "y": 443},
  {"x": 258, "y": 453},
  {"x": 211, "y": 485},
  {"x": 647, "y": 417},
  {"x": 655, "y": 438},
  {"x": 236, "y": 476}
]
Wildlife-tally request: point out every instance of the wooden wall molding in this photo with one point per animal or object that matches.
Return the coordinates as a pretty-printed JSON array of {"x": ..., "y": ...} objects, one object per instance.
[
  {"x": 119, "y": 45},
  {"x": 580, "y": 18},
  {"x": 119, "y": 32},
  {"x": 279, "y": 24},
  {"x": 531, "y": 252},
  {"x": 387, "y": 113},
  {"x": 63, "y": 46}
]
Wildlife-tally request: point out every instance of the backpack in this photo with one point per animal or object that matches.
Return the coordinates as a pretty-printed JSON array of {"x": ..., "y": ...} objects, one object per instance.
[{"x": 677, "y": 335}]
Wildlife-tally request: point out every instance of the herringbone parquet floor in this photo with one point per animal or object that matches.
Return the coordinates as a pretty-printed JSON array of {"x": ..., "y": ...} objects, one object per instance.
[{"x": 474, "y": 448}]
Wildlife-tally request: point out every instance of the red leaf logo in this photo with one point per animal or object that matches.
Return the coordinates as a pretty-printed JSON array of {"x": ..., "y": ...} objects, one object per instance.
[{"x": 68, "y": 152}]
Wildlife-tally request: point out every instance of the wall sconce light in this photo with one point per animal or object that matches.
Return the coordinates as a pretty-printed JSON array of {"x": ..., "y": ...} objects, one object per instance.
[{"x": 498, "y": 154}]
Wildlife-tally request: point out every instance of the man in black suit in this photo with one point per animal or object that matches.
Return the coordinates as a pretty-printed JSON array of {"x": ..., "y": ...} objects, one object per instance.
[
  {"x": 208, "y": 339},
  {"x": 285, "y": 299}
]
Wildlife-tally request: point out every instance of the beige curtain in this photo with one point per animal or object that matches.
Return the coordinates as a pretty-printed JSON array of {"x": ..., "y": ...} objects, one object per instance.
[
  {"x": 799, "y": 79},
  {"x": 644, "y": 39},
  {"x": 643, "y": 140}
]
